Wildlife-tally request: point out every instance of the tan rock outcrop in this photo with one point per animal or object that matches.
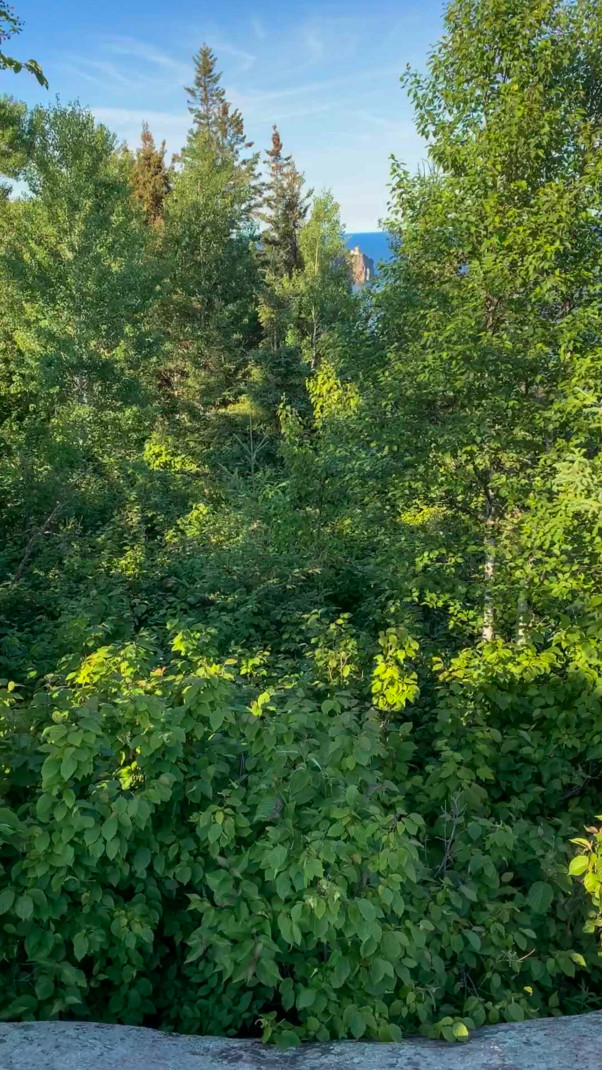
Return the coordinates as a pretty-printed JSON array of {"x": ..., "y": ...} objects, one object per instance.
[{"x": 362, "y": 267}]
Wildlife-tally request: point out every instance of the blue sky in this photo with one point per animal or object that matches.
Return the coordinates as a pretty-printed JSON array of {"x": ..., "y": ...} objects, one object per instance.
[{"x": 326, "y": 72}]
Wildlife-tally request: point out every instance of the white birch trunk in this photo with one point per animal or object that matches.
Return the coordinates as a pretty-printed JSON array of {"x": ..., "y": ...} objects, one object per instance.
[
  {"x": 488, "y": 606},
  {"x": 521, "y": 618}
]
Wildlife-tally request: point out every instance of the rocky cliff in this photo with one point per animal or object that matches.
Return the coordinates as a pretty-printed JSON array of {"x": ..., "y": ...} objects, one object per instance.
[{"x": 362, "y": 267}]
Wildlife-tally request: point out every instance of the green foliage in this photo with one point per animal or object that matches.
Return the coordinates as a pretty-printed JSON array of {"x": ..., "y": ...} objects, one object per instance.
[
  {"x": 215, "y": 122},
  {"x": 587, "y": 864},
  {"x": 150, "y": 177},
  {"x": 13, "y": 139},
  {"x": 284, "y": 210},
  {"x": 299, "y": 588},
  {"x": 209, "y": 314},
  {"x": 177, "y": 827},
  {"x": 10, "y": 25}
]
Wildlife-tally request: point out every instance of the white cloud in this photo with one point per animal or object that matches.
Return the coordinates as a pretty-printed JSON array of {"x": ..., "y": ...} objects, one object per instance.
[
  {"x": 249, "y": 97},
  {"x": 401, "y": 129},
  {"x": 258, "y": 28},
  {"x": 130, "y": 46},
  {"x": 313, "y": 42},
  {"x": 248, "y": 59},
  {"x": 105, "y": 74}
]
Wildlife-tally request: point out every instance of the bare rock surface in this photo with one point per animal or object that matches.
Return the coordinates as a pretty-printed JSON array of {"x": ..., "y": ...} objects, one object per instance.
[
  {"x": 362, "y": 267},
  {"x": 545, "y": 1044}
]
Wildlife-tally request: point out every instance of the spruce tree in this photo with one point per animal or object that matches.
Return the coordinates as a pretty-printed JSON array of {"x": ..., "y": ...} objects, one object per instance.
[
  {"x": 283, "y": 211},
  {"x": 285, "y": 207},
  {"x": 150, "y": 176},
  {"x": 213, "y": 117},
  {"x": 210, "y": 238}
]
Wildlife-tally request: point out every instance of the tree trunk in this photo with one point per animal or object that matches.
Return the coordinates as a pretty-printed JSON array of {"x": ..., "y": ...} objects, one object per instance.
[
  {"x": 521, "y": 618},
  {"x": 488, "y": 606}
]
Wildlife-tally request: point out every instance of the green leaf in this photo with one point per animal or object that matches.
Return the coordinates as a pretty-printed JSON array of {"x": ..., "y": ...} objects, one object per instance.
[
  {"x": 109, "y": 827},
  {"x": 268, "y": 973},
  {"x": 80, "y": 945},
  {"x": 540, "y": 897},
  {"x": 341, "y": 972},
  {"x": 379, "y": 968},
  {"x": 68, "y": 766},
  {"x": 24, "y": 907},
  {"x": 142, "y": 859},
  {"x": 579, "y": 865},
  {"x": 306, "y": 998},
  {"x": 473, "y": 939},
  {"x": 390, "y": 1033},
  {"x": 267, "y": 809},
  {"x": 44, "y": 987},
  {"x": 285, "y": 926},
  {"x": 214, "y": 833},
  {"x": 515, "y": 1013},
  {"x": 277, "y": 857},
  {"x": 356, "y": 1022},
  {"x": 7, "y": 898},
  {"x": 112, "y": 848},
  {"x": 216, "y": 718},
  {"x": 367, "y": 909},
  {"x": 287, "y": 1039}
]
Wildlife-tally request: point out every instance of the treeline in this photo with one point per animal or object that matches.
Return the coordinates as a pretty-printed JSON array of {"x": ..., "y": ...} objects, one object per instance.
[{"x": 300, "y": 605}]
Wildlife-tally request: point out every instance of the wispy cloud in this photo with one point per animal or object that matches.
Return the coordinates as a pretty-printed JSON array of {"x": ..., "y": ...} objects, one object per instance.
[
  {"x": 120, "y": 69},
  {"x": 313, "y": 42},
  {"x": 392, "y": 126},
  {"x": 139, "y": 115},
  {"x": 247, "y": 59},
  {"x": 249, "y": 97},
  {"x": 81, "y": 72},
  {"x": 109, "y": 70},
  {"x": 276, "y": 114},
  {"x": 336, "y": 36},
  {"x": 130, "y": 46},
  {"x": 104, "y": 74},
  {"x": 258, "y": 28}
]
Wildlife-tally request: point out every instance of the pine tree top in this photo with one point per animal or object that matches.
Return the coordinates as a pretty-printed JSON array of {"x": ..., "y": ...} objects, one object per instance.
[{"x": 150, "y": 175}]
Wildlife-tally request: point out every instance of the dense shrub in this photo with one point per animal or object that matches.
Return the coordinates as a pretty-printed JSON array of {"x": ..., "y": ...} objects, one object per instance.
[
  {"x": 588, "y": 864},
  {"x": 217, "y": 846},
  {"x": 336, "y": 798}
]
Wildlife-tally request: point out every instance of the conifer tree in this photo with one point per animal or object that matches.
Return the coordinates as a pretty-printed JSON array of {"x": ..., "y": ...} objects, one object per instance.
[
  {"x": 210, "y": 313},
  {"x": 285, "y": 208},
  {"x": 213, "y": 117},
  {"x": 150, "y": 176}
]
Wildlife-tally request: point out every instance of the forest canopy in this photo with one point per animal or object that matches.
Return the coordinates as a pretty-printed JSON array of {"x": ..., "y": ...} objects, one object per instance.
[{"x": 300, "y": 586}]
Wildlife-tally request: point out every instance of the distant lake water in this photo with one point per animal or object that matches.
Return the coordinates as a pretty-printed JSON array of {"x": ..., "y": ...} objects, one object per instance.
[{"x": 374, "y": 243}]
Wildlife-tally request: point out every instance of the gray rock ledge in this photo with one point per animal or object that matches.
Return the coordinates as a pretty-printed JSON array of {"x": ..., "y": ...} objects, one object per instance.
[{"x": 544, "y": 1044}]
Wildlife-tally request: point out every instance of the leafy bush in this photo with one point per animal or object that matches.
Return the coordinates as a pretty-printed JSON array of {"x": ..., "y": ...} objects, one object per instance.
[
  {"x": 336, "y": 798},
  {"x": 588, "y": 865},
  {"x": 207, "y": 845}
]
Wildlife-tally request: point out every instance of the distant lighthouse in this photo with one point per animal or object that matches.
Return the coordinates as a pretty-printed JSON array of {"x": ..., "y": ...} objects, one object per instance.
[{"x": 362, "y": 267}]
